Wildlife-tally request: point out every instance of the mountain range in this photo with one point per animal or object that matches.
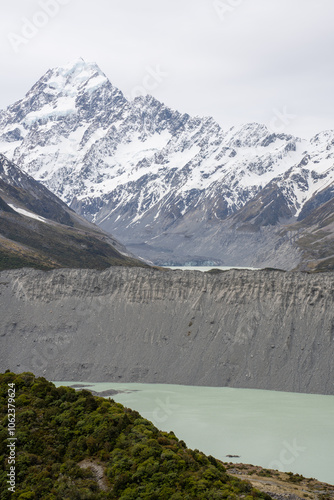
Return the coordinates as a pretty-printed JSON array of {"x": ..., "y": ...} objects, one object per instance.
[{"x": 175, "y": 189}]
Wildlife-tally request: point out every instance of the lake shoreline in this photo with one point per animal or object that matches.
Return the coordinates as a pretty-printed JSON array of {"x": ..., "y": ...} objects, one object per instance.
[
  {"x": 276, "y": 430},
  {"x": 281, "y": 485}
]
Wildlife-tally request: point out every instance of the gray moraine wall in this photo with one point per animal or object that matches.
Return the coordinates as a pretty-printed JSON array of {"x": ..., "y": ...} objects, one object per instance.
[{"x": 253, "y": 329}]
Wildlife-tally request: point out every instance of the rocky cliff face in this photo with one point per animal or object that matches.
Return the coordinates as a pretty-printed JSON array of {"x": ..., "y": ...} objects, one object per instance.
[{"x": 252, "y": 329}]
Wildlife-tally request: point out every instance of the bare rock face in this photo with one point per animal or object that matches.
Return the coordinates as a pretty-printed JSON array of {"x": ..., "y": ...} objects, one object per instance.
[{"x": 252, "y": 329}]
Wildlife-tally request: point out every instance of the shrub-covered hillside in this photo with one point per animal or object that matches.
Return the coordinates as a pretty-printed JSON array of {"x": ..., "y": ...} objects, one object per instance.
[{"x": 73, "y": 445}]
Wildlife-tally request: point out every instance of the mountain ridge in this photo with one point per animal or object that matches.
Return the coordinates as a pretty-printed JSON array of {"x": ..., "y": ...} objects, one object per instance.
[{"x": 37, "y": 229}]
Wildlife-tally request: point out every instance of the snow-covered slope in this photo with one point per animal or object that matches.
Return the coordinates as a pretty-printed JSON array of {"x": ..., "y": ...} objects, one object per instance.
[{"x": 161, "y": 181}]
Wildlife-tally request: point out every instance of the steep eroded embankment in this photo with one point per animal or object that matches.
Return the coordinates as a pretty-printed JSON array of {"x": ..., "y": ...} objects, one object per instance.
[{"x": 252, "y": 329}]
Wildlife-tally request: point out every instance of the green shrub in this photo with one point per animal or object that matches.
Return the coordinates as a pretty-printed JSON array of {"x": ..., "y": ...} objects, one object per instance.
[{"x": 59, "y": 427}]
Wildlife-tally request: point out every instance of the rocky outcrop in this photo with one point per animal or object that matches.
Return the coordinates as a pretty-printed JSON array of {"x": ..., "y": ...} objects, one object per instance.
[{"x": 252, "y": 329}]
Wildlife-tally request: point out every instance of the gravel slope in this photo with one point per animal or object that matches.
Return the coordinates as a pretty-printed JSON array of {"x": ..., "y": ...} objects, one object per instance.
[{"x": 253, "y": 329}]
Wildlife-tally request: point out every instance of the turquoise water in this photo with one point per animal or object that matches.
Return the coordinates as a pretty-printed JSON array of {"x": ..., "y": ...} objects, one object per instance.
[
  {"x": 278, "y": 430},
  {"x": 207, "y": 268}
]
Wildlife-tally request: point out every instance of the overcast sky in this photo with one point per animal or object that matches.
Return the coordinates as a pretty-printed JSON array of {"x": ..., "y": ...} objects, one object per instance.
[{"x": 267, "y": 61}]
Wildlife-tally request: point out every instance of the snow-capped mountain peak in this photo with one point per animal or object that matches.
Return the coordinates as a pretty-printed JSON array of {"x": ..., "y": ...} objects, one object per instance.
[
  {"x": 64, "y": 112},
  {"x": 71, "y": 76},
  {"x": 59, "y": 93},
  {"x": 75, "y": 77}
]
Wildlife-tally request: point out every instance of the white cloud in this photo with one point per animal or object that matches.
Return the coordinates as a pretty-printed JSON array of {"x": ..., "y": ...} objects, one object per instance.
[{"x": 262, "y": 56}]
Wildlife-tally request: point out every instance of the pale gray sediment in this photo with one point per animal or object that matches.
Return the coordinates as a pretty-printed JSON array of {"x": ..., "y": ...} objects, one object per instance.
[{"x": 252, "y": 329}]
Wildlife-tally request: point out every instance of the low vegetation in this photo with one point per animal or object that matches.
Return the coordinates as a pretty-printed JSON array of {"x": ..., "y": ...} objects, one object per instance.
[{"x": 64, "y": 437}]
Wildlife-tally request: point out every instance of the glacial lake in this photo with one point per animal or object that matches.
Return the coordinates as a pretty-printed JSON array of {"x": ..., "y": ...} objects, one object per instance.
[
  {"x": 208, "y": 268},
  {"x": 278, "y": 430}
]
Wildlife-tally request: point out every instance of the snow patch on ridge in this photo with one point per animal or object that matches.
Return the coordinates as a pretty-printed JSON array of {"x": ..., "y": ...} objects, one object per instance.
[
  {"x": 65, "y": 106},
  {"x": 22, "y": 211}
]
